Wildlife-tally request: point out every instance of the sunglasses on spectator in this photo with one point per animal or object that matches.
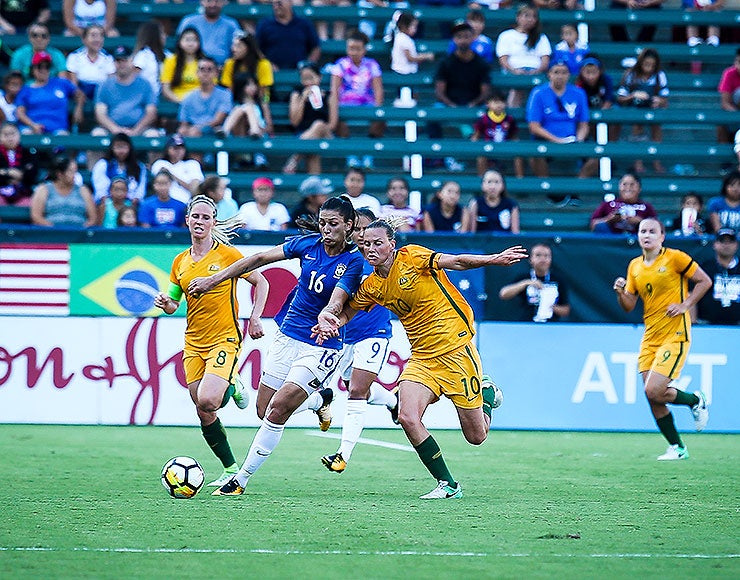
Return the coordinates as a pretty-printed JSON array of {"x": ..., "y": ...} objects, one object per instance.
[
  {"x": 39, "y": 35},
  {"x": 43, "y": 65}
]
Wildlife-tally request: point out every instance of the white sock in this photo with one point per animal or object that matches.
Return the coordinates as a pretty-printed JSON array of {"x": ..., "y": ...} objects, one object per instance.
[
  {"x": 379, "y": 395},
  {"x": 354, "y": 421},
  {"x": 264, "y": 442},
  {"x": 313, "y": 402}
]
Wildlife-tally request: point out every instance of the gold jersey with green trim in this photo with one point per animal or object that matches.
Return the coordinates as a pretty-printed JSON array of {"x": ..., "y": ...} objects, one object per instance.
[
  {"x": 212, "y": 317},
  {"x": 664, "y": 282},
  {"x": 435, "y": 315}
]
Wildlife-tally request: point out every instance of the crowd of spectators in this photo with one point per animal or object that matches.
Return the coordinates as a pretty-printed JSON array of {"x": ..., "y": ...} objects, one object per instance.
[{"x": 220, "y": 78}]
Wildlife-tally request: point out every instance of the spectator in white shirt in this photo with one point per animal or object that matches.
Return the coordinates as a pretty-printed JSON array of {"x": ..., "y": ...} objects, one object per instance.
[
  {"x": 186, "y": 174},
  {"x": 263, "y": 213},
  {"x": 90, "y": 65}
]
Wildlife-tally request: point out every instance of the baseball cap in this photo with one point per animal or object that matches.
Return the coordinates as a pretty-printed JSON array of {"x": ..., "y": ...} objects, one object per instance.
[
  {"x": 459, "y": 26},
  {"x": 314, "y": 185},
  {"x": 121, "y": 52},
  {"x": 40, "y": 57},
  {"x": 591, "y": 60},
  {"x": 263, "y": 182},
  {"x": 176, "y": 141},
  {"x": 727, "y": 232},
  {"x": 558, "y": 62}
]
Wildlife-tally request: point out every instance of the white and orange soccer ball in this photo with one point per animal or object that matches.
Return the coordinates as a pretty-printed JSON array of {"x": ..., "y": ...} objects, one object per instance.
[{"x": 182, "y": 477}]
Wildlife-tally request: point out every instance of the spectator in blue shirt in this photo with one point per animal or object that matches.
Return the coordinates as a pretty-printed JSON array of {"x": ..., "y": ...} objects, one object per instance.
[
  {"x": 203, "y": 110},
  {"x": 160, "y": 210},
  {"x": 286, "y": 39},
  {"x": 215, "y": 29},
  {"x": 482, "y": 45},
  {"x": 557, "y": 113},
  {"x": 43, "y": 104}
]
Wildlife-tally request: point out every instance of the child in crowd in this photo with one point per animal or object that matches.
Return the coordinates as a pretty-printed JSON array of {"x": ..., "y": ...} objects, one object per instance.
[
  {"x": 214, "y": 186},
  {"x": 404, "y": 57},
  {"x": 497, "y": 126},
  {"x": 160, "y": 210},
  {"x": 445, "y": 213},
  {"x": 12, "y": 85},
  {"x": 482, "y": 45},
  {"x": 570, "y": 50},
  {"x": 356, "y": 81},
  {"x": 127, "y": 217},
  {"x": 397, "y": 191},
  {"x": 690, "y": 221},
  {"x": 724, "y": 210},
  {"x": 111, "y": 205},
  {"x": 251, "y": 117},
  {"x": 18, "y": 168},
  {"x": 263, "y": 213},
  {"x": 494, "y": 211}
]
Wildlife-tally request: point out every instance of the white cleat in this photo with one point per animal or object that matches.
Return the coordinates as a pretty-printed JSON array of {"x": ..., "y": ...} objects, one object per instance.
[
  {"x": 700, "y": 411},
  {"x": 674, "y": 453}
]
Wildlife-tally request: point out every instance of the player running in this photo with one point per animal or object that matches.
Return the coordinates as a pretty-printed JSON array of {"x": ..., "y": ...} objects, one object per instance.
[
  {"x": 213, "y": 337},
  {"x": 661, "y": 278},
  {"x": 411, "y": 282},
  {"x": 296, "y": 367}
]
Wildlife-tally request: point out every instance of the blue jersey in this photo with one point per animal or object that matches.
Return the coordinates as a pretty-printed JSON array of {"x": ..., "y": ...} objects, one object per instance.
[
  {"x": 320, "y": 274},
  {"x": 375, "y": 323}
]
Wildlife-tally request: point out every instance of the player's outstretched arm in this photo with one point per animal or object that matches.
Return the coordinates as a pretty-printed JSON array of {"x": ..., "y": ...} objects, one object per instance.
[
  {"x": 508, "y": 257},
  {"x": 202, "y": 285}
]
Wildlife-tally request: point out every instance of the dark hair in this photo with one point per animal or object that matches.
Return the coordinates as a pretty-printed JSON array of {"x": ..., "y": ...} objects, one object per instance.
[
  {"x": 180, "y": 56},
  {"x": 59, "y": 165},
  {"x": 359, "y": 36},
  {"x": 533, "y": 36},
  {"x": 642, "y": 57},
  {"x": 729, "y": 178},
  {"x": 365, "y": 212},
  {"x": 90, "y": 27},
  {"x": 405, "y": 20},
  {"x": 496, "y": 95},
  {"x": 239, "y": 84},
  {"x": 476, "y": 15},
  {"x": 133, "y": 169},
  {"x": 693, "y": 194},
  {"x": 149, "y": 35},
  {"x": 355, "y": 170},
  {"x": 309, "y": 64},
  {"x": 210, "y": 59},
  {"x": 504, "y": 192},
  {"x": 397, "y": 178},
  {"x": 14, "y": 74},
  {"x": 633, "y": 175},
  {"x": 209, "y": 185},
  {"x": 248, "y": 63},
  {"x": 342, "y": 205},
  {"x": 119, "y": 220}
]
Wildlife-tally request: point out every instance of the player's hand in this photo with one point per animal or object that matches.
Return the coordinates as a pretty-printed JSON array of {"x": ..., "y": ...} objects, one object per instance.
[
  {"x": 160, "y": 300},
  {"x": 510, "y": 256},
  {"x": 326, "y": 327},
  {"x": 619, "y": 285},
  {"x": 200, "y": 286},
  {"x": 674, "y": 310},
  {"x": 254, "y": 328}
]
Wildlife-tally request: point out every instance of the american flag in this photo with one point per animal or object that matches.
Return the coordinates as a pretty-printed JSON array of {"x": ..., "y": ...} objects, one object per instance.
[{"x": 34, "y": 279}]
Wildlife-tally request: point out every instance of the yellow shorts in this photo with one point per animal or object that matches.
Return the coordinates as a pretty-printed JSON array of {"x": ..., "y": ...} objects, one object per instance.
[
  {"x": 666, "y": 359},
  {"x": 221, "y": 361},
  {"x": 456, "y": 375}
]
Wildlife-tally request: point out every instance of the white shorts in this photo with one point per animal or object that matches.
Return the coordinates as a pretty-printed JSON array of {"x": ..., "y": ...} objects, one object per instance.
[
  {"x": 307, "y": 365},
  {"x": 367, "y": 355}
]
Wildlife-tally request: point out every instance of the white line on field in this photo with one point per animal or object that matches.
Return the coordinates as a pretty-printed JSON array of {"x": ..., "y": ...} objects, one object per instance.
[
  {"x": 375, "y": 442},
  {"x": 356, "y": 553}
]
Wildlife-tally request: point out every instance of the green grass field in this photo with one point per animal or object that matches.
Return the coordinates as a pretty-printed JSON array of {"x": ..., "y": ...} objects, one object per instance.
[{"x": 86, "y": 502}]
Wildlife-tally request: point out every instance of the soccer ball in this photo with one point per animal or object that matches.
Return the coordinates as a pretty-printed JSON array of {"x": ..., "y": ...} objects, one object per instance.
[{"x": 182, "y": 477}]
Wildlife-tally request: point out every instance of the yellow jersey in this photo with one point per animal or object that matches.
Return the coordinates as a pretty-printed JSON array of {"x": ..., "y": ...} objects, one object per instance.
[
  {"x": 435, "y": 315},
  {"x": 211, "y": 318},
  {"x": 664, "y": 282},
  {"x": 189, "y": 80}
]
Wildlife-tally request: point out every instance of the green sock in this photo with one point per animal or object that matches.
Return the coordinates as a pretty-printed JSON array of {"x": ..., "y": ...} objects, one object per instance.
[
  {"x": 489, "y": 396},
  {"x": 668, "y": 429},
  {"x": 227, "y": 395},
  {"x": 431, "y": 457},
  {"x": 684, "y": 398},
  {"x": 215, "y": 436}
]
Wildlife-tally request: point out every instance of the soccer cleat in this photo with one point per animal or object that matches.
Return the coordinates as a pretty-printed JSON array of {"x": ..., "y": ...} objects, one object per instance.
[
  {"x": 444, "y": 491},
  {"x": 700, "y": 411},
  {"x": 498, "y": 394},
  {"x": 673, "y": 453},
  {"x": 231, "y": 487},
  {"x": 225, "y": 476},
  {"x": 324, "y": 411},
  {"x": 241, "y": 394},
  {"x": 394, "y": 410},
  {"x": 335, "y": 463}
]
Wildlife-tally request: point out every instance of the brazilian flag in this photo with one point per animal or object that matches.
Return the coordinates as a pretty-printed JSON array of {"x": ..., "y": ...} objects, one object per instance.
[{"x": 119, "y": 280}]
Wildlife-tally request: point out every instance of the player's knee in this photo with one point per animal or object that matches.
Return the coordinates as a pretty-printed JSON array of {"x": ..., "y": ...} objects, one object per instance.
[
  {"x": 209, "y": 404},
  {"x": 408, "y": 421},
  {"x": 476, "y": 437}
]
